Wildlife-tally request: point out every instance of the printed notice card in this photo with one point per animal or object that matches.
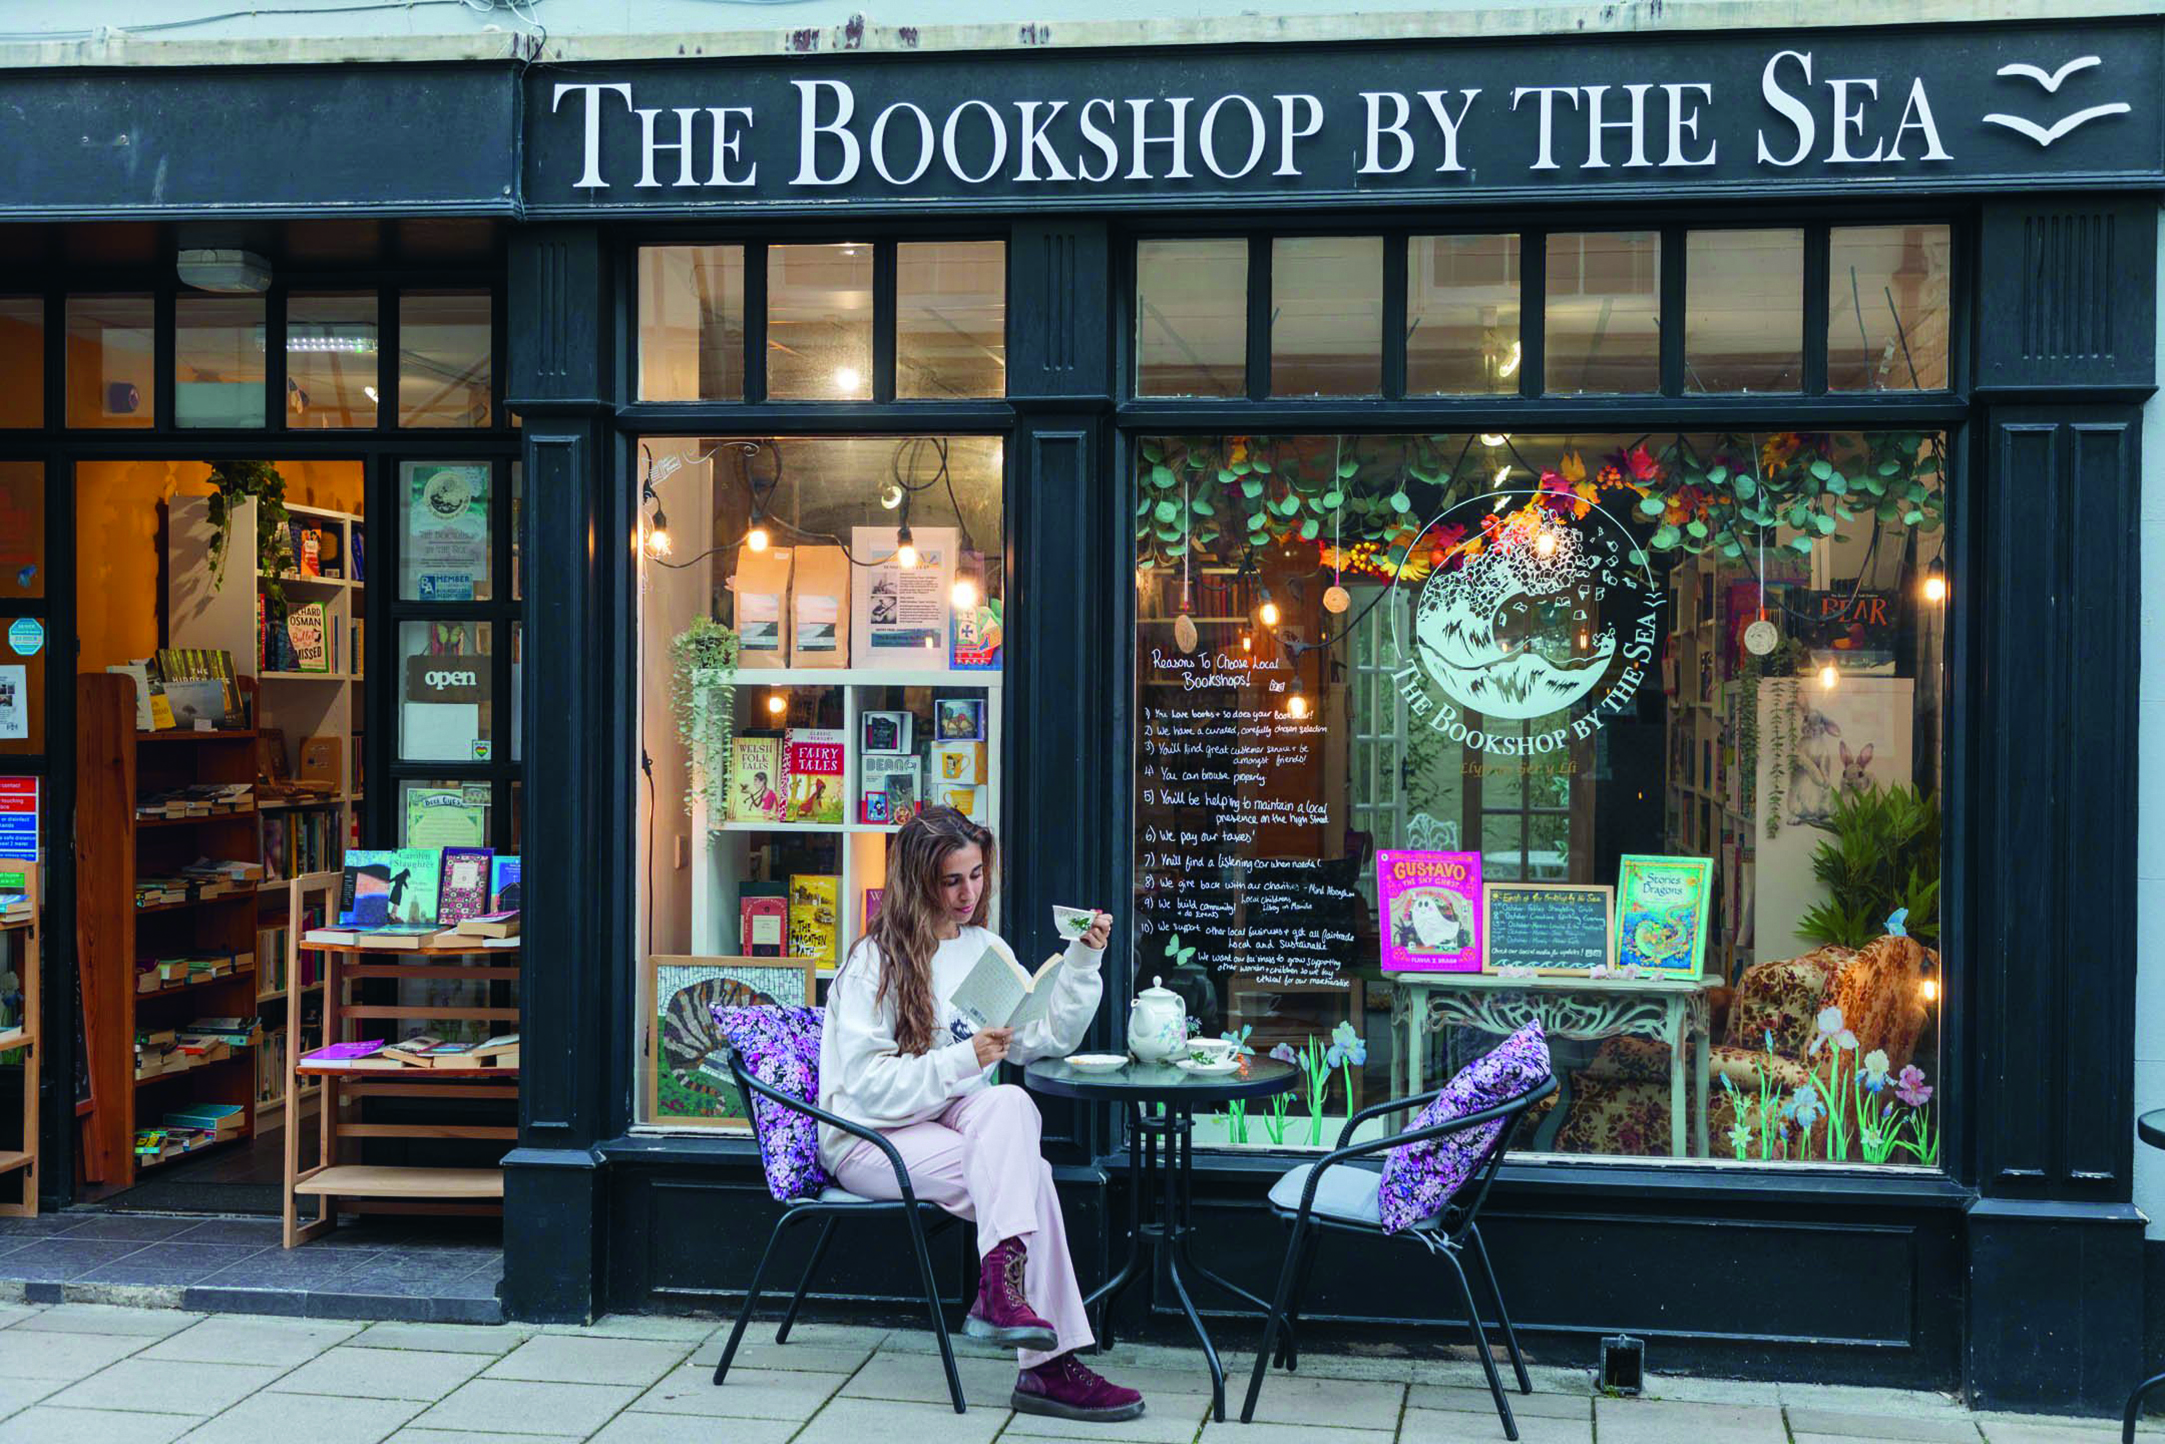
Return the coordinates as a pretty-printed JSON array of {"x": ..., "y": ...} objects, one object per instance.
[
  {"x": 1661, "y": 913},
  {"x": 1430, "y": 905}
]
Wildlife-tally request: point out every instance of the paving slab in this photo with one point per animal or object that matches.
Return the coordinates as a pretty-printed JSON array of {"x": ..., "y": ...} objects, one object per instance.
[
  {"x": 19, "y": 1394},
  {"x": 61, "y": 1356},
  {"x": 2005, "y": 1429},
  {"x": 521, "y": 1406},
  {"x": 1334, "y": 1403},
  {"x": 442, "y": 1338},
  {"x": 653, "y": 1326},
  {"x": 171, "y": 1262},
  {"x": 382, "y": 1374},
  {"x": 1167, "y": 1419},
  {"x": 576, "y": 1359},
  {"x": 1480, "y": 1401},
  {"x": 93, "y": 1426},
  {"x": 142, "y": 1227},
  {"x": 1857, "y": 1399},
  {"x": 629, "y": 1428},
  {"x": 239, "y": 1340},
  {"x": 305, "y": 1416},
  {"x": 1232, "y": 1431},
  {"x": 1451, "y": 1426},
  {"x": 167, "y": 1386},
  {"x": 1886, "y": 1428},
  {"x": 107, "y": 1319},
  {"x": 921, "y": 1380},
  {"x": 767, "y": 1354},
  {"x": 55, "y": 1260},
  {"x": 13, "y": 1314},
  {"x": 411, "y": 1435},
  {"x": 749, "y": 1394},
  {"x": 1650, "y": 1421},
  {"x": 852, "y": 1421}
]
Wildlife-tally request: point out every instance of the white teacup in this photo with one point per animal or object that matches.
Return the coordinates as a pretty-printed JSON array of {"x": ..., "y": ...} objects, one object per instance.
[{"x": 1212, "y": 1051}]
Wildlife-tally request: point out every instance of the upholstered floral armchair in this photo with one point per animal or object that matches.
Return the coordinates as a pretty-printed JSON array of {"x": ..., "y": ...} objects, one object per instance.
[{"x": 1793, "y": 1025}]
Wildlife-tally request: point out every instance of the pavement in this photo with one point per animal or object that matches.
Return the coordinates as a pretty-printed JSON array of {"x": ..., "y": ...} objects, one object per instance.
[{"x": 81, "y": 1373}]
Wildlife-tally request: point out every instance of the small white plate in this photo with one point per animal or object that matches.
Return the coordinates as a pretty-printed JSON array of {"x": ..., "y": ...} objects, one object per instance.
[
  {"x": 1189, "y": 1065},
  {"x": 1097, "y": 1062}
]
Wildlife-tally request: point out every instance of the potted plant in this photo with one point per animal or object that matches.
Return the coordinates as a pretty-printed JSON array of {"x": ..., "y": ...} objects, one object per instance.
[
  {"x": 1882, "y": 853},
  {"x": 234, "y": 483}
]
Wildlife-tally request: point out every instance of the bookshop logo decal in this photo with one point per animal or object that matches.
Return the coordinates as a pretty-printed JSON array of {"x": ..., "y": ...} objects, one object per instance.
[{"x": 1532, "y": 609}]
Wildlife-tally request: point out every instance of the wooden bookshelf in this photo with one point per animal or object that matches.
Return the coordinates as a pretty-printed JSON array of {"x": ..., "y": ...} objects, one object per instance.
[
  {"x": 319, "y": 1164},
  {"x": 19, "y": 1166},
  {"x": 115, "y": 765}
]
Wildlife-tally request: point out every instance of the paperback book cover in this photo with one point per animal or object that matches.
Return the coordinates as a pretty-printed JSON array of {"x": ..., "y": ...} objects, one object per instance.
[
  {"x": 504, "y": 883},
  {"x": 755, "y": 779},
  {"x": 387, "y": 887},
  {"x": 815, "y": 760},
  {"x": 1661, "y": 913},
  {"x": 762, "y": 919},
  {"x": 1430, "y": 905},
  {"x": 463, "y": 888},
  {"x": 814, "y": 915},
  {"x": 306, "y": 629}
]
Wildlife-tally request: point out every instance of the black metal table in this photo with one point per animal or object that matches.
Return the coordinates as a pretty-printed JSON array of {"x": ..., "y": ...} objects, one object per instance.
[
  {"x": 1161, "y": 1169},
  {"x": 2150, "y": 1128}
]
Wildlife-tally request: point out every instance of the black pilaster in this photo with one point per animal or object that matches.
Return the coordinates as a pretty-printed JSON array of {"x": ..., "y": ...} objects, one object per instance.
[{"x": 576, "y": 975}]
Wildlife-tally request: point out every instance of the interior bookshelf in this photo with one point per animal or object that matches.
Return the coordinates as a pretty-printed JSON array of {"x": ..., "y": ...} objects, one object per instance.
[
  {"x": 116, "y": 938},
  {"x": 22, "y": 941},
  {"x": 303, "y": 833},
  {"x": 1709, "y": 794},
  {"x": 854, "y": 851}
]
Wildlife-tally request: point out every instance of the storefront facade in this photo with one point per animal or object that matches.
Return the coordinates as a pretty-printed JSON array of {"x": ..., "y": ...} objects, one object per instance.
[{"x": 1253, "y": 376}]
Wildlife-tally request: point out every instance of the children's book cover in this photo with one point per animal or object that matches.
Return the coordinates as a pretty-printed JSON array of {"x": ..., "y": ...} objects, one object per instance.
[
  {"x": 463, "y": 891},
  {"x": 814, "y": 915},
  {"x": 815, "y": 760},
  {"x": 504, "y": 883},
  {"x": 388, "y": 887},
  {"x": 755, "y": 780},
  {"x": 1661, "y": 913},
  {"x": 1430, "y": 906}
]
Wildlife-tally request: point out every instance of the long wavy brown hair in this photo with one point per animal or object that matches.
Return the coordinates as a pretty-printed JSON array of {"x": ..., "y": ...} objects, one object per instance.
[{"x": 907, "y": 930}]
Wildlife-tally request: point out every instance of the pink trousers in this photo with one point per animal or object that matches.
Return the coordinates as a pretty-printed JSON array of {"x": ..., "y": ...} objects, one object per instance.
[{"x": 979, "y": 1159}]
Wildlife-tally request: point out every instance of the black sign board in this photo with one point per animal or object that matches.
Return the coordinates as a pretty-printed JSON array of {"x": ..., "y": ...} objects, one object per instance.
[
  {"x": 447, "y": 679},
  {"x": 1738, "y": 113},
  {"x": 1548, "y": 927}
]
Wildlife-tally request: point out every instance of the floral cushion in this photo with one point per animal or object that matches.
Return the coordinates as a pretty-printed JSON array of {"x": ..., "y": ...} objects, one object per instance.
[
  {"x": 1777, "y": 1000},
  {"x": 780, "y": 1047},
  {"x": 1419, "y": 1177},
  {"x": 1880, "y": 992}
]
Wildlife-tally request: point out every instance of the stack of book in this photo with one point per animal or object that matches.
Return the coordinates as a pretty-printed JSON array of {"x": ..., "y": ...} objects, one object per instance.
[
  {"x": 157, "y": 975},
  {"x": 410, "y": 898},
  {"x": 153, "y": 892},
  {"x": 196, "y": 799},
  {"x": 15, "y": 907}
]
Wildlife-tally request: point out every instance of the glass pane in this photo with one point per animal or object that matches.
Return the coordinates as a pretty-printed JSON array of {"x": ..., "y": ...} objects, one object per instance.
[
  {"x": 1887, "y": 314},
  {"x": 1583, "y": 731},
  {"x": 22, "y": 685},
  {"x": 331, "y": 361},
  {"x": 1191, "y": 318},
  {"x": 1326, "y": 321},
  {"x": 218, "y": 361},
  {"x": 1744, "y": 311},
  {"x": 1602, "y": 313},
  {"x": 22, "y": 529},
  {"x": 443, "y": 519},
  {"x": 443, "y": 813},
  {"x": 445, "y": 692},
  {"x": 1462, "y": 315},
  {"x": 951, "y": 319},
  {"x": 110, "y": 361},
  {"x": 691, "y": 323},
  {"x": 445, "y": 341},
  {"x": 819, "y": 323},
  {"x": 22, "y": 361}
]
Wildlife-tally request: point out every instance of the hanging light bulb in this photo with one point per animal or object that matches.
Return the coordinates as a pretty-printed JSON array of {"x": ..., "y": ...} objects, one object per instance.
[
  {"x": 1935, "y": 581},
  {"x": 1929, "y": 990},
  {"x": 1517, "y": 354},
  {"x": 1247, "y": 643},
  {"x": 1545, "y": 544},
  {"x": 964, "y": 595},
  {"x": 905, "y": 548},
  {"x": 891, "y": 495},
  {"x": 658, "y": 543},
  {"x": 777, "y": 703},
  {"x": 1827, "y": 677},
  {"x": 757, "y": 539},
  {"x": 1267, "y": 613},
  {"x": 1493, "y": 438},
  {"x": 1296, "y": 705}
]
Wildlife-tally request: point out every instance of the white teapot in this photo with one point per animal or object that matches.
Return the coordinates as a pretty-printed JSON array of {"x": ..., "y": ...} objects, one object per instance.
[{"x": 1157, "y": 1024}]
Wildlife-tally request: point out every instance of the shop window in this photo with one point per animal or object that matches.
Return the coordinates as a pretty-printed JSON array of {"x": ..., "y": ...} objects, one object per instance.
[
  {"x": 446, "y": 545},
  {"x": 798, "y": 699},
  {"x": 950, "y": 319},
  {"x": 446, "y": 692},
  {"x": 1191, "y": 318},
  {"x": 1326, "y": 316},
  {"x": 22, "y": 529},
  {"x": 111, "y": 361},
  {"x": 1462, "y": 315},
  {"x": 691, "y": 323},
  {"x": 331, "y": 361},
  {"x": 218, "y": 361},
  {"x": 23, "y": 679},
  {"x": 1602, "y": 312},
  {"x": 1744, "y": 311},
  {"x": 819, "y": 323},
  {"x": 1458, "y": 731},
  {"x": 1887, "y": 308},
  {"x": 445, "y": 343},
  {"x": 22, "y": 361}
]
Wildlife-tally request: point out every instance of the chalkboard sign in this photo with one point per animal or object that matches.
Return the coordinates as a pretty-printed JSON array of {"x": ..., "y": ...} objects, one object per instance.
[{"x": 1547, "y": 927}]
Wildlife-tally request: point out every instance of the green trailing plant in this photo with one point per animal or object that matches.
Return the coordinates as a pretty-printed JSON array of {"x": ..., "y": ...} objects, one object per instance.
[
  {"x": 234, "y": 483},
  {"x": 1882, "y": 853},
  {"x": 1787, "y": 727},
  {"x": 702, "y": 672}
]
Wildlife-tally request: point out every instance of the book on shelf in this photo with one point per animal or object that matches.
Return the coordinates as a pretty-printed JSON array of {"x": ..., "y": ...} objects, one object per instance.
[
  {"x": 755, "y": 780},
  {"x": 412, "y": 1051},
  {"x": 501, "y": 1051},
  {"x": 463, "y": 889},
  {"x": 504, "y": 883},
  {"x": 185, "y": 665},
  {"x": 489, "y": 925},
  {"x": 815, "y": 772},
  {"x": 762, "y": 919},
  {"x": 153, "y": 713},
  {"x": 814, "y": 915},
  {"x": 400, "y": 936},
  {"x": 333, "y": 937},
  {"x": 307, "y": 633},
  {"x": 383, "y": 886},
  {"x": 344, "y": 1052},
  {"x": 225, "y": 1120}
]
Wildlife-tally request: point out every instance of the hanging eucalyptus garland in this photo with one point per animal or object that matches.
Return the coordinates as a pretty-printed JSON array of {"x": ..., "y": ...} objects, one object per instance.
[
  {"x": 1784, "y": 711},
  {"x": 703, "y": 673}
]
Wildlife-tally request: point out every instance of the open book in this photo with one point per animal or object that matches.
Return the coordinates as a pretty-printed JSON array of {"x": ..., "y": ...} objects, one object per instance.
[{"x": 999, "y": 994}]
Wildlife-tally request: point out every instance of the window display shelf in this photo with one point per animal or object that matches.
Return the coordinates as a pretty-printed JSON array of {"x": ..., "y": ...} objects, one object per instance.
[{"x": 864, "y": 677}]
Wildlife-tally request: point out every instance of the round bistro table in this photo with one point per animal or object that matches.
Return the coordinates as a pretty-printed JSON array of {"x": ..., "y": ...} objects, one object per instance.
[{"x": 1161, "y": 1172}]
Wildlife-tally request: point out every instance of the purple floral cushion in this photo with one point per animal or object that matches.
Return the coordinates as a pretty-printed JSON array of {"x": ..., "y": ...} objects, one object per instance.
[
  {"x": 780, "y": 1047},
  {"x": 1418, "y": 1178}
]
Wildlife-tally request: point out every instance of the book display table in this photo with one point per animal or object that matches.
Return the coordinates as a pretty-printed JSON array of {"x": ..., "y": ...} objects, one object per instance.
[
  {"x": 1670, "y": 1010},
  {"x": 325, "y": 1171}
]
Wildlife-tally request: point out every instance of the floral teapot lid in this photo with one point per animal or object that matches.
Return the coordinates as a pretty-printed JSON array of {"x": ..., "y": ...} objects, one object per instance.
[{"x": 1156, "y": 991}]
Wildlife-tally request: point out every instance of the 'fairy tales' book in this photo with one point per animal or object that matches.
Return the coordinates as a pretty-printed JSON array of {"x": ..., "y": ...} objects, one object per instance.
[
  {"x": 755, "y": 780},
  {"x": 815, "y": 760},
  {"x": 815, "y": 910}
]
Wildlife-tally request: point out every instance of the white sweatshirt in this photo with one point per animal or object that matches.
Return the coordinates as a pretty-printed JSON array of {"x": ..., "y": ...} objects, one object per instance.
[{"x": 865, "y": 1078}]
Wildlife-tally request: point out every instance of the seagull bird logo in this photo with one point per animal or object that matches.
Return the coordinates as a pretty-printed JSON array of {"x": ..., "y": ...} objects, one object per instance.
[{"x": 2051, "y": 83}]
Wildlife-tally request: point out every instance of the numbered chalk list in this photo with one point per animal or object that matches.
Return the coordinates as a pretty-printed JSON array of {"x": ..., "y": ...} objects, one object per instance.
[{"x": 1232, "y": 822}]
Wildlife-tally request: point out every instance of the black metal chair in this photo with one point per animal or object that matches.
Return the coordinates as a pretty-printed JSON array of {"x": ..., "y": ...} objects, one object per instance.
[
  {"x": 834, "y": 1205},
  {"x": 1347, "y": 1202}
]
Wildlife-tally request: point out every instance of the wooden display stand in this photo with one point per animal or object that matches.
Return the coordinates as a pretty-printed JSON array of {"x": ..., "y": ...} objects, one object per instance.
[
  {"x": 356, "y": 1186},
  {"x": 22, "y": 1164},
  {"x": 115, "y": 763}
]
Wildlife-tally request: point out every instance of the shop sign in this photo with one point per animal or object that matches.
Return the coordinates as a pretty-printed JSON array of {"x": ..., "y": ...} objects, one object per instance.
[
  {"x": 1933, "y": 108},
  {"x": 1533, "y": 628},
  {"x": 447, "y": 679}
]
